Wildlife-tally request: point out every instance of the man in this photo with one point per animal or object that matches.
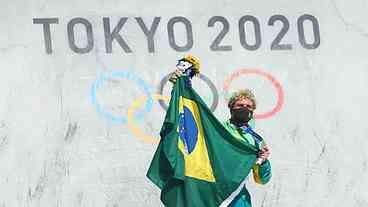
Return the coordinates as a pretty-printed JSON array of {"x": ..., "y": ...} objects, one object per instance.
[{"x": 242, "y": 105}]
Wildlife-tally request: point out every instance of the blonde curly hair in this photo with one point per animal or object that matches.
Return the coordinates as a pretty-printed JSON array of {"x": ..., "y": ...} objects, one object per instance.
[{"x": 240, "y": 94}]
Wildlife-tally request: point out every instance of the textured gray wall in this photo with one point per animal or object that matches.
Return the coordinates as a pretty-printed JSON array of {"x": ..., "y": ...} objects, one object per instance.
[{"x": 65, "y": 139}]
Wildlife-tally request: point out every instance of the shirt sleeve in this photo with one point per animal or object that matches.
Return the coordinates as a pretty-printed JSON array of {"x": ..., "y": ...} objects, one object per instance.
[{"x": 262, "y": 173}]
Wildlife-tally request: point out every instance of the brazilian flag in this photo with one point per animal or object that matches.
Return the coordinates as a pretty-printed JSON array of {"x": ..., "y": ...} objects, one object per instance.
[{"x": 198, "y": 163}]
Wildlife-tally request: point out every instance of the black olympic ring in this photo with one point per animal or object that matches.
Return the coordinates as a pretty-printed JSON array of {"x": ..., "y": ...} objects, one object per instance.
[{"x": 212, "y": 86}]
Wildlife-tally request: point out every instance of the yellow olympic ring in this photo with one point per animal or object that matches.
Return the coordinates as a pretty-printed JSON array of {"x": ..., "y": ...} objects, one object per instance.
[{"x": 132, "y": 126}]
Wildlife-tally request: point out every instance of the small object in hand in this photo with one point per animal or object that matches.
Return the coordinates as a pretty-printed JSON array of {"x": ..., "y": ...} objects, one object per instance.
[
  {"x": 189, "y": 66},
  {"x": 189, "y": 62},
  {"x": 183, "y": 65}
]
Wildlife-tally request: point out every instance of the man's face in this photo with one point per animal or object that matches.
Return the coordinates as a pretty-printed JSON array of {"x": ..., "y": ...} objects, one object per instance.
[{"x": 244, "y": 103}]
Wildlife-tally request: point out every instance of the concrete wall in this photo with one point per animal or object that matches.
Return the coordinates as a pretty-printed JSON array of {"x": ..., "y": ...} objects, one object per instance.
[{"x": 65, "y": 135}]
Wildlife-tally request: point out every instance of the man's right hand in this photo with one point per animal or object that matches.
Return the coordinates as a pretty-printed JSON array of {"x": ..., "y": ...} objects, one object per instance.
[
  {"x": 264, "y": 153},
  {"x": 175, "y": 75}
]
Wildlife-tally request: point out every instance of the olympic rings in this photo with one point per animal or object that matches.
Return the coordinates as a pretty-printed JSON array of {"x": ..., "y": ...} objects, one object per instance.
[
  {"x": 147, "y": 90},
  {"x": 275, "y": 83},
  {"x": 215, "y": 98},
  {"x": 135, "y": 130},
  {"x": 120, "y": 74}
]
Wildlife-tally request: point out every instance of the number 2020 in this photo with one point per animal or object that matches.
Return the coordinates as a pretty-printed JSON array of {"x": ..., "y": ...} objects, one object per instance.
[{"x": 276, "y": 43}]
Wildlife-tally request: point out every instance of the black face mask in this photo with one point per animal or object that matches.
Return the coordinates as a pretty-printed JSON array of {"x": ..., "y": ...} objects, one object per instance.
[{"x": 241, "y": 116}]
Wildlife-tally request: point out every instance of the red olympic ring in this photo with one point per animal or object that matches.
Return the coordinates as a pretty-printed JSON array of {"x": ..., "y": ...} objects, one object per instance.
[{"x": 276, "y": 84}]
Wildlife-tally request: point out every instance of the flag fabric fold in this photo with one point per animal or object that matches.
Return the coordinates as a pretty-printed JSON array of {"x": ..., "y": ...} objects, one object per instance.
[{"x": 198, "y": 163}]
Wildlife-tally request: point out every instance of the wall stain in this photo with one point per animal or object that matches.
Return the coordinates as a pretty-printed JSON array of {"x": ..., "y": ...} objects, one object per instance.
[
  {"x": 348, "y": 24},
  {"x": 39, "y": 189},
  {"x": 294, "y": 134},
  {"x": 4, "y": 139},
  {"x": 69, "y": 135},
  {"x": 323, "y": 146},
  {"x": 3, "y": 142},
  {"x": 80, "y": 198},
  {"x": 264, "y": 200},
  {"x": 365, "y": 165}
]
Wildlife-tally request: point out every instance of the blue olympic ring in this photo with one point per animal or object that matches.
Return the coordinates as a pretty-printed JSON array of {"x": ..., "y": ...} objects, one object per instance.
[{"x": 147, "y": 89}]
